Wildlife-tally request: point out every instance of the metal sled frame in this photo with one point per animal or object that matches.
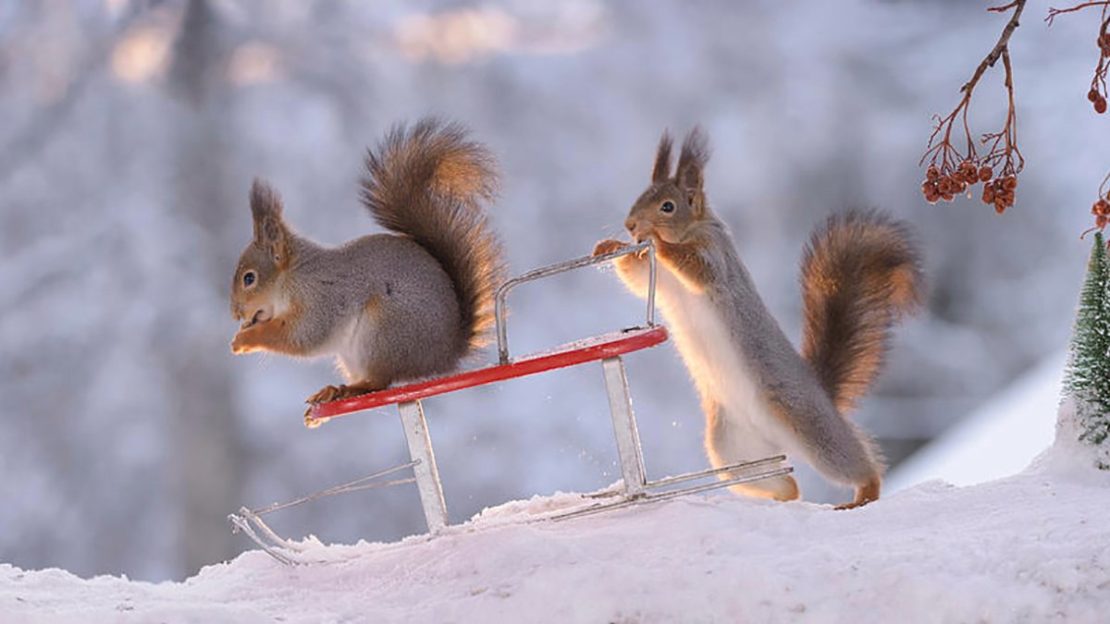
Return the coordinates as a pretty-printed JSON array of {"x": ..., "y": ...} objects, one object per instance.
[{"x": 608, "y": 349}]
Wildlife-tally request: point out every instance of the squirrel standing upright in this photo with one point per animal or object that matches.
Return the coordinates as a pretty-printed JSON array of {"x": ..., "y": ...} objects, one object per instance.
[
  {"x": 401, "y": 305},
  {"x": 860, "y": 273}
]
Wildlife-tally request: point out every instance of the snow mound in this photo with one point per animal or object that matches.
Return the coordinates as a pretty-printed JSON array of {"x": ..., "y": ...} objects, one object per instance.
[
  {"x": 1069, "y": 458},
  {"x": 1027, "y": 548}
]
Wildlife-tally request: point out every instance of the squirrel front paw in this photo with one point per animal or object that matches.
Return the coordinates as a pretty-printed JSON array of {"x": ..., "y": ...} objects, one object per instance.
[
  {"x": 608, "y": 247},
  {"x": 270, "y": 335},
  {"x": 242, "y": 343}
]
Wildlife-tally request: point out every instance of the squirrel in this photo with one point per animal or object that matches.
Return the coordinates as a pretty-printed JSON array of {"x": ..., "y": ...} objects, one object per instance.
[
  {"x": 401, "y": 305},
  {"x": 861, "y": 273}
]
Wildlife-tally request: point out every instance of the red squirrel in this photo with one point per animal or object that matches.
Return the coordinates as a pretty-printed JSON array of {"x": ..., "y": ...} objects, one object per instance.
[
  {"x": 761, "y": 397},
  {"x": 394, "y": 306}
]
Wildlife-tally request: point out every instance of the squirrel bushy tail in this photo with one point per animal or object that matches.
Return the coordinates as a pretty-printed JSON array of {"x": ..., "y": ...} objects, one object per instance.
[
  {"x": 860, "y": 274},
  {"x": 427, "y": 182}
]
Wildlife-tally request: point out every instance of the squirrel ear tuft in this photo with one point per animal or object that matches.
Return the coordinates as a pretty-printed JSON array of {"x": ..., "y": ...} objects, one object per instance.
[
  {"x": 691, "y": 161},
  {"x": 269, "y": 229},
  {"x": 662, "y": 169},
  {"x": 264, "y": 200}
]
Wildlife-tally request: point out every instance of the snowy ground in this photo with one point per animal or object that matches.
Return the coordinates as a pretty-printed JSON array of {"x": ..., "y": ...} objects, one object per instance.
[{"x": 1028, "y": 548}]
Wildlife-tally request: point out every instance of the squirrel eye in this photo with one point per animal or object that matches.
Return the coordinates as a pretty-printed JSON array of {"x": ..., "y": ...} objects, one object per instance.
[
  {"x": 248, "y": 279},
  {"x": 667, "y": 206}
]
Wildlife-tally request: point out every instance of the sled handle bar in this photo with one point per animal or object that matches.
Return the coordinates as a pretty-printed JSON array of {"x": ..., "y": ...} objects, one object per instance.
[{"x": 562, "y": 267}]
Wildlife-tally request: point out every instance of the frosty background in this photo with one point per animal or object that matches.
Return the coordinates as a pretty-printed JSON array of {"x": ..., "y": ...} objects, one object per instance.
[{"x": 132, "y": 130}]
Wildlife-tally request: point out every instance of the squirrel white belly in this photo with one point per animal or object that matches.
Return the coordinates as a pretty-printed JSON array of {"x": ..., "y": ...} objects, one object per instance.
[
  {"x": 860, "y": 274},
  {"x": 719, "y": 368}
]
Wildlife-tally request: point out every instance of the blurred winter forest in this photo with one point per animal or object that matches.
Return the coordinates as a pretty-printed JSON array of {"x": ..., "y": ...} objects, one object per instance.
[{"x": 132, "y": 130}]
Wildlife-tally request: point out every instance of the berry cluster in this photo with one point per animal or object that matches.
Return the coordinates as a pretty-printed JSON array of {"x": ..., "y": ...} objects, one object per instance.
[
  {"x": 1099, "y": 102},
  {"x": 1097, "y": 95},
  {"x": 940, "y": 184},
  {"x": 1101, "y": 211}
]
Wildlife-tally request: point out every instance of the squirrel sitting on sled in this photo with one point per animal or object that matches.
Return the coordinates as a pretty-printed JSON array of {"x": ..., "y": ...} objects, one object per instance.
[
  {"x": 860, "y": 274},
  {"x": 401, "y": 305}
]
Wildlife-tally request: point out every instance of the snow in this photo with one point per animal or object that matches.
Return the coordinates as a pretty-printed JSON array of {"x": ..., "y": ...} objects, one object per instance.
[
  {"x": 996, "y": 440},
  {"x": 1026, "y": 548}
]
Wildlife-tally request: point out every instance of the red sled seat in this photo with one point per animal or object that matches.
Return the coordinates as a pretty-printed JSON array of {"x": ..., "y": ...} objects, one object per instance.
[{"x": 578, "y": 352}]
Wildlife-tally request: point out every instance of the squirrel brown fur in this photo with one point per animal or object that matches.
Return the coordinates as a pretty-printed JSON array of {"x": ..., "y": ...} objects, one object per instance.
[
  {"x": 393, "y": 306},
  {"x": 761, "y": 397}
]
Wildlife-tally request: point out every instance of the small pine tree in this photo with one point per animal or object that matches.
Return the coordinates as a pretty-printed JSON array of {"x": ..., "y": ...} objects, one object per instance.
[{"x": 1087, "y": 380}]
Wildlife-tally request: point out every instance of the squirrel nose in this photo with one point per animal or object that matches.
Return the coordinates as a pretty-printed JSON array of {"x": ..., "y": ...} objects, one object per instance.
[
  {"x": 630, "y": 224},
  {"x": 637, "y": 229}
]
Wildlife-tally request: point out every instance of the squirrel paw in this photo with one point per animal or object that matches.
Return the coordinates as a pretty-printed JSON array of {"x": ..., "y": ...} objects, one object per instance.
[
  {"x": 335, "y": 393},
  {"x": 325, "y": 394},
  {"x": 240, "y": 344},
  {"x": 852, "y": 505},
  {"x": 866, "y": 493},
  {"x": 259, "y": 336},
  {"x": 607, "y": 247}
]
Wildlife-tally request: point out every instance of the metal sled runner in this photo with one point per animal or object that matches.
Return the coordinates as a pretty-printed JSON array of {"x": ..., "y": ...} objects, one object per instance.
[{"x": 635, "y": 488}]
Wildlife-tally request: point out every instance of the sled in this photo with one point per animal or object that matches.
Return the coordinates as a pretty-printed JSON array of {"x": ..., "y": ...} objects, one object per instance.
[{"x": 608, "y": 349}]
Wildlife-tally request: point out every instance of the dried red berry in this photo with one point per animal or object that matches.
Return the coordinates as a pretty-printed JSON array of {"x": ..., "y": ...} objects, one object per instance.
[
  {"x": 985, "y": 174},
  {"x": 1092, "y": 96},
  {"x": 1100, "y": 105},
  {"x": 969, "y": 173}
]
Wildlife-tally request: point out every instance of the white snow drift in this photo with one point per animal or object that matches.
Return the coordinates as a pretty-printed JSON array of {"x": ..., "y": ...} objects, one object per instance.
[{"x": 1031, "y": 547}]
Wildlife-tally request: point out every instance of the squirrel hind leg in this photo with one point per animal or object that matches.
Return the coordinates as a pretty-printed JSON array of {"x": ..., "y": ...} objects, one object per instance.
[
  {"x": 866, "y": 493},
  {"x": 731, "y": 439}
]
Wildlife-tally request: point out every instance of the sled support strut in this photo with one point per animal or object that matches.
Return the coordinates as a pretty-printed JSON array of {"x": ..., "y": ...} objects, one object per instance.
[
  {"x": 424, "y": 464},
  {"x": 624, "y": 426}
]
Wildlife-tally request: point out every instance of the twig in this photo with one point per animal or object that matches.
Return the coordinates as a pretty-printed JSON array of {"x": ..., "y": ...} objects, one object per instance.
[
  {"x": 1003, "y": 41},
  {"x": 1053, "y": 11}
]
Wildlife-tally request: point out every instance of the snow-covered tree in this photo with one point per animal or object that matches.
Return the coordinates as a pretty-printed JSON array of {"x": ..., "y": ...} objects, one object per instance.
[{"x": 1087, "y": 380}]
